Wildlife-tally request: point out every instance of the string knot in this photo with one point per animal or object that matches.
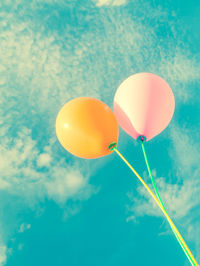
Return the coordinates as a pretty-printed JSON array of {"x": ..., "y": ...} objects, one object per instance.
[
  {"x": 112, "y": 146},
  {"x": 141, "y": 139}
]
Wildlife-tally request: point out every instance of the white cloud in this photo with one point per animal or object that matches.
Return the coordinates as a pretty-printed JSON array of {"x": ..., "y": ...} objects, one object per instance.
[
  {"x": 20, "y": 164},
  {"x": 3, "y": 184},
  {"x": 23, "y": 227},
  {"x": 187, "y": 154},
  {"x": 38, "y": 74},
  {"x": 44, "y": 159},
  {"x": 111, "y": 2},
  {"x": 3, "y": 256},
  {"x": 181, "y": 199},
  {"x": 26, "y": 184},
  {"x": 65, "y": 183},
  {"x": 180, "y": 69},
  {"x": 41, "y": 68}
]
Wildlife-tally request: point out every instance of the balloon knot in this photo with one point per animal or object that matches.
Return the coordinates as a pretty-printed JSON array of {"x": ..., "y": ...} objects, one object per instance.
[
  {"x": 112, "y": 146},
  {"x": 141, "y": 139}
]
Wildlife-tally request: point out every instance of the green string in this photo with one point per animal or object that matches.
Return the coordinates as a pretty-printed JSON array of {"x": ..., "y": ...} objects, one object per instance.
[{"x": 159, "y": 198}]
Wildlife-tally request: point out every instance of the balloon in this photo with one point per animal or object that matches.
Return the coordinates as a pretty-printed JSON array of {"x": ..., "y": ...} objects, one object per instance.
[
  {"x": 85, "y": 127},
  {"x": 144, "y": 105}
]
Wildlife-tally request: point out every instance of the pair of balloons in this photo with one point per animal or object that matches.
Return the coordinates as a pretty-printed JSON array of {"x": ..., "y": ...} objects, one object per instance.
[{"x": 143, "y": 106}]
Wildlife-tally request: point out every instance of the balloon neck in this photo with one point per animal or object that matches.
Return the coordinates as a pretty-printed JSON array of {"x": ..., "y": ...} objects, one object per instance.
[
  {"x": 112, "y": 146},
  {"x": 141, "y": 139}
]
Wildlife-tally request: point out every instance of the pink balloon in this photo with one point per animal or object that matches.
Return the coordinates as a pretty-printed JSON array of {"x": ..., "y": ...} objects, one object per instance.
[{"x": 144, "y": 105}]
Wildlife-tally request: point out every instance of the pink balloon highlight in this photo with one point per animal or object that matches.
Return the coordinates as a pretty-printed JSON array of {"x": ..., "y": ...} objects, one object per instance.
[{"x": 144, "y": 105}]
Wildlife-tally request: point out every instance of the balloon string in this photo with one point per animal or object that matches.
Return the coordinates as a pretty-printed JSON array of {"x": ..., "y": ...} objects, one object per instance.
[
  {"x": 159, "y": 198},
  {"x": 158, "y": 203}
]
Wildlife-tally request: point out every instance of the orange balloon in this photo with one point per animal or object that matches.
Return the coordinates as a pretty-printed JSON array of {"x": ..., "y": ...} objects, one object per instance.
[{"x": 86, "y": 126}]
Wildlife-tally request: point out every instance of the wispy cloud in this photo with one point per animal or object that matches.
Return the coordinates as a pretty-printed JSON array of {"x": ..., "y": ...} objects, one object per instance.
[
  {"x": 28, "y": 172},
  {"x": 180, "y": 69},
  {"x": 181, "y": 198},
  {"x": 37, "y": 75},
  {"x": 3, "y": 256},
  {"x": 66, "y": 183},
  {"x": 23, "y": 227},
  {"x": 111, "y": 2},
  {"x": 43, "y": 160},
  {"x": 28, "y": 175},
  {"x": 45, "y": 61}
]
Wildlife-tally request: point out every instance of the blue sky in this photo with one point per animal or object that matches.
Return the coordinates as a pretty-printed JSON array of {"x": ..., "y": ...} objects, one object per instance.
[{"x": 56, "y": 209}]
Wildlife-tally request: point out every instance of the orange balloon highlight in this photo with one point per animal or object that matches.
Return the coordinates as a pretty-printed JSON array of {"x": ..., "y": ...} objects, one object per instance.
[{"x": 85, "y": 127}]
